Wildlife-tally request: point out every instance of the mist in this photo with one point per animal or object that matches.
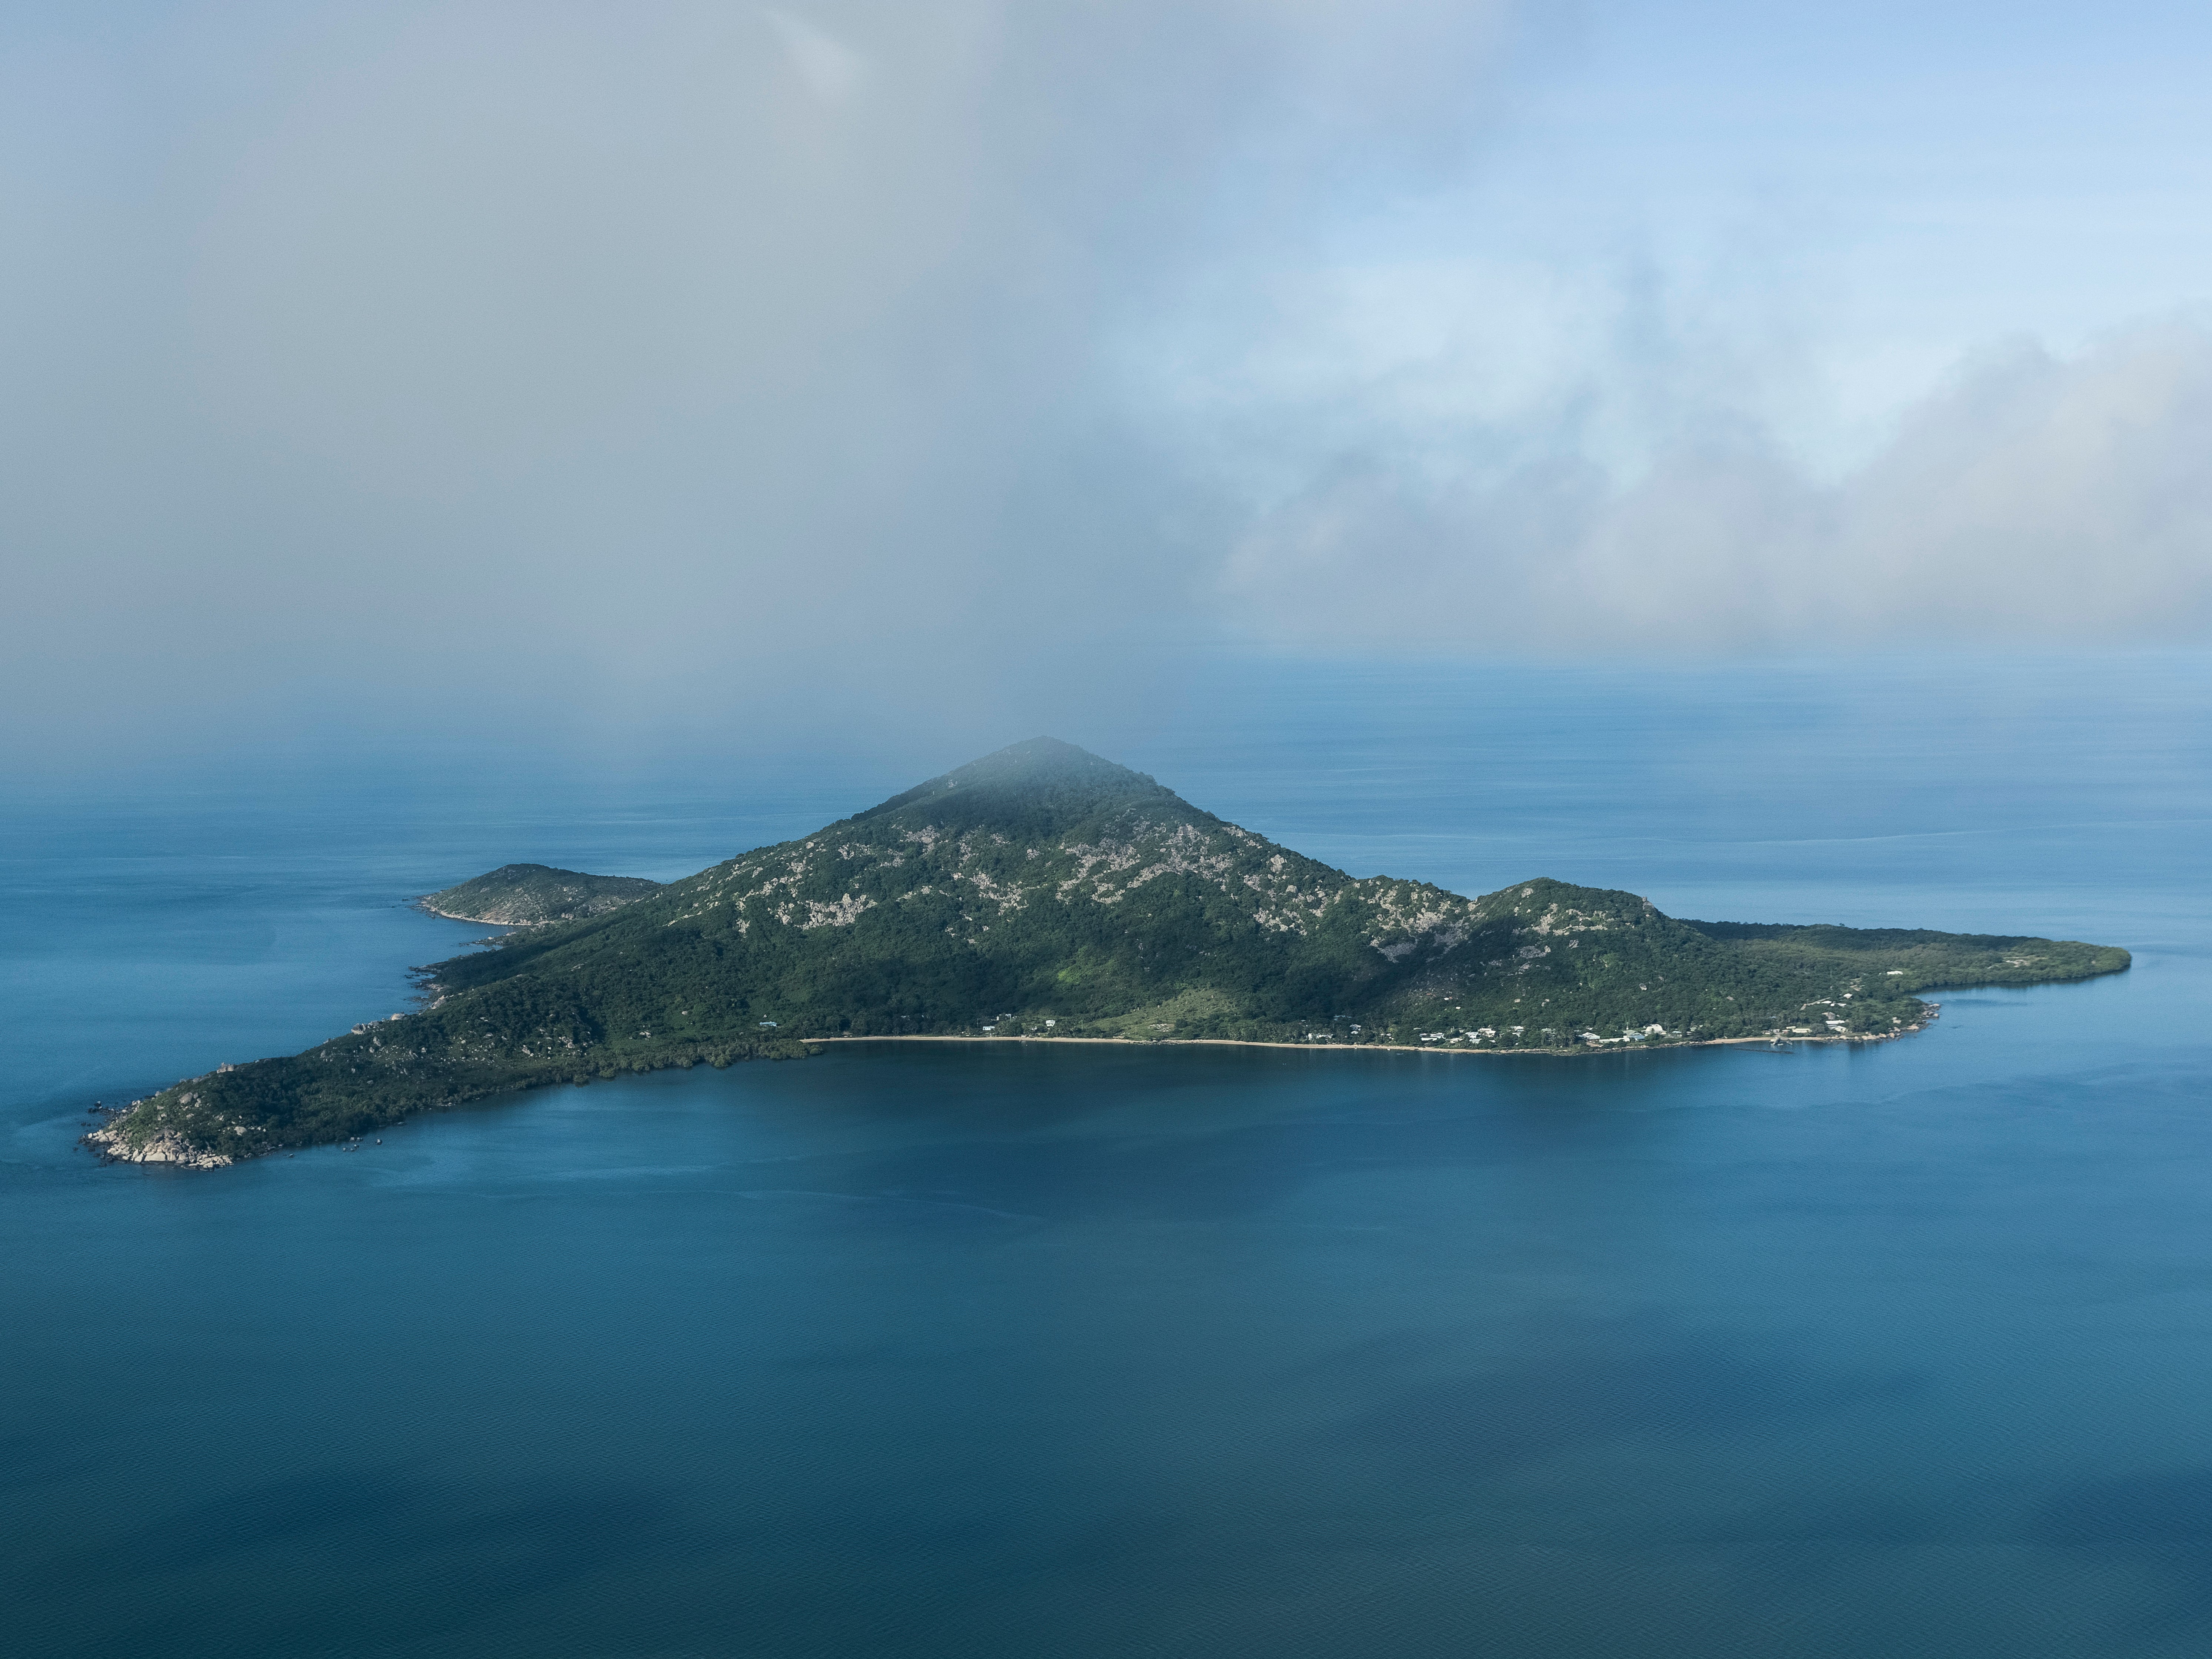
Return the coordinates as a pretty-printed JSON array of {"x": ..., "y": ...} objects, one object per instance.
[{"x": 604, "y": 377}]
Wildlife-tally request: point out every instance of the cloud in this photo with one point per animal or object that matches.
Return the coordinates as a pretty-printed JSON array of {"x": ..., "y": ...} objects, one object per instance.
[
  {"x": 2031, "y": 498},
  {"x": 642, "y": 357},
  {"x": 752, "y": 367},
  {"x": 830, "y": 67}
]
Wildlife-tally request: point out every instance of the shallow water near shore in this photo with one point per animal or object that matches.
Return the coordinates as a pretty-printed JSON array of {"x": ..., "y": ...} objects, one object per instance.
[{"x": 934, "y": 1349}]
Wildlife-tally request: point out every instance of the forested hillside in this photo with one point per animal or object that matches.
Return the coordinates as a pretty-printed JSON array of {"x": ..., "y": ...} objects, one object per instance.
[{"x": 1044, "y": 891}]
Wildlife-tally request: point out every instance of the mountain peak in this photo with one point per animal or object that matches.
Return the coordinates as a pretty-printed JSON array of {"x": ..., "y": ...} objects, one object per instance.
[{"x": 1040, "y": 776}]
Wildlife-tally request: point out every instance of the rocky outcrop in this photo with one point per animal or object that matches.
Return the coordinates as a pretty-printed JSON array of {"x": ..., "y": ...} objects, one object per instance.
[{"x": 164, "y": 1148}]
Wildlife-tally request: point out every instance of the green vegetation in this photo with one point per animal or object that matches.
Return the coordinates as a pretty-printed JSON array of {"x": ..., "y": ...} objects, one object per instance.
[
  {"x": 533, "y": 895},
  {"x": 1044, "y": 890}
]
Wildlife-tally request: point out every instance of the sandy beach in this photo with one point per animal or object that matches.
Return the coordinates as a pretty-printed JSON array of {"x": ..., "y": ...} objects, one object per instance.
[{"x": 1388, "y": 1048}]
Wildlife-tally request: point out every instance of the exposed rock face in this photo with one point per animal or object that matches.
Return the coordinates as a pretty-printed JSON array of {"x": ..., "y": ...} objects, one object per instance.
[{"x": 164, "y": 1148}]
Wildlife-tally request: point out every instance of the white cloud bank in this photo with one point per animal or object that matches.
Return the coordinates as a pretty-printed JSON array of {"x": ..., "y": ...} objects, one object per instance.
[{"x": 2030, "y": 499}]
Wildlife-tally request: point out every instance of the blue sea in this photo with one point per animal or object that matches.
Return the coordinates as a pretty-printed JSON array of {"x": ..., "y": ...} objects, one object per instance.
[{"x": 1898, "y": 1350}]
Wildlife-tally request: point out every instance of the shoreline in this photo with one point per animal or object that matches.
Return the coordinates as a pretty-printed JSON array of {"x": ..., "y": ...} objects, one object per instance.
[
  {"x": 169, "y": 1148},
  {"x": 430, "y": 910},
  {"x": 1395, "y": 1047}
]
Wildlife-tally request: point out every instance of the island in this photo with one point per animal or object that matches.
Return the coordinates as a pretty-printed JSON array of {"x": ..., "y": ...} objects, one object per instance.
[
  {"x": 1043, "y": 894},
  {"x": 535, "y": 895}
]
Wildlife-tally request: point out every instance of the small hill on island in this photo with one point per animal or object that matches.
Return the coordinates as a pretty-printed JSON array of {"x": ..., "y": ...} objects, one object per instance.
[
  {"x": 535, "y": 895},
  {"x": 1043, "y": 892}
]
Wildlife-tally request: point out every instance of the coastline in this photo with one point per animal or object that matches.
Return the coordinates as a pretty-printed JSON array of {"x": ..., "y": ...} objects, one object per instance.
[
  {"x": 430, "y": 910},
  {"x": 1400, "y": 1047},
  {"x": 173, "y": 1148},
  {"x": 108, "y": 1143}
]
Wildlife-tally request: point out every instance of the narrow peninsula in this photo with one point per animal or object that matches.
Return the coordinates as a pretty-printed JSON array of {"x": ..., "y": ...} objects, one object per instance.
[
  {"x": 1043, "y": 892},
  {"x": 535, "y": 895}
]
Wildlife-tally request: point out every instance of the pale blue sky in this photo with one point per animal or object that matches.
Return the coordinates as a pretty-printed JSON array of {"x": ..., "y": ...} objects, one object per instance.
[
  {"x": 1851, "y": 201},
  {"x": 1905, "y": 184},
  {"x": 634, "y": 358}
]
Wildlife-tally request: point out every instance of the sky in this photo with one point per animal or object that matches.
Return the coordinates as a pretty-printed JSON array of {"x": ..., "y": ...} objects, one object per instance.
[{"x": 611, "y": 374}]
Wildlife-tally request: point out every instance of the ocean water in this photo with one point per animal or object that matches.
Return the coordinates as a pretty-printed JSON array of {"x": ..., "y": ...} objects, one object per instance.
[{"x": 937, "y": 1351}]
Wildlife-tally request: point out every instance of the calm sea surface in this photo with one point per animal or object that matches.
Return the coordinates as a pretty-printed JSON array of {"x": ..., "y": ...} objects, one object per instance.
[{"x": 1899, "y": 1352}]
